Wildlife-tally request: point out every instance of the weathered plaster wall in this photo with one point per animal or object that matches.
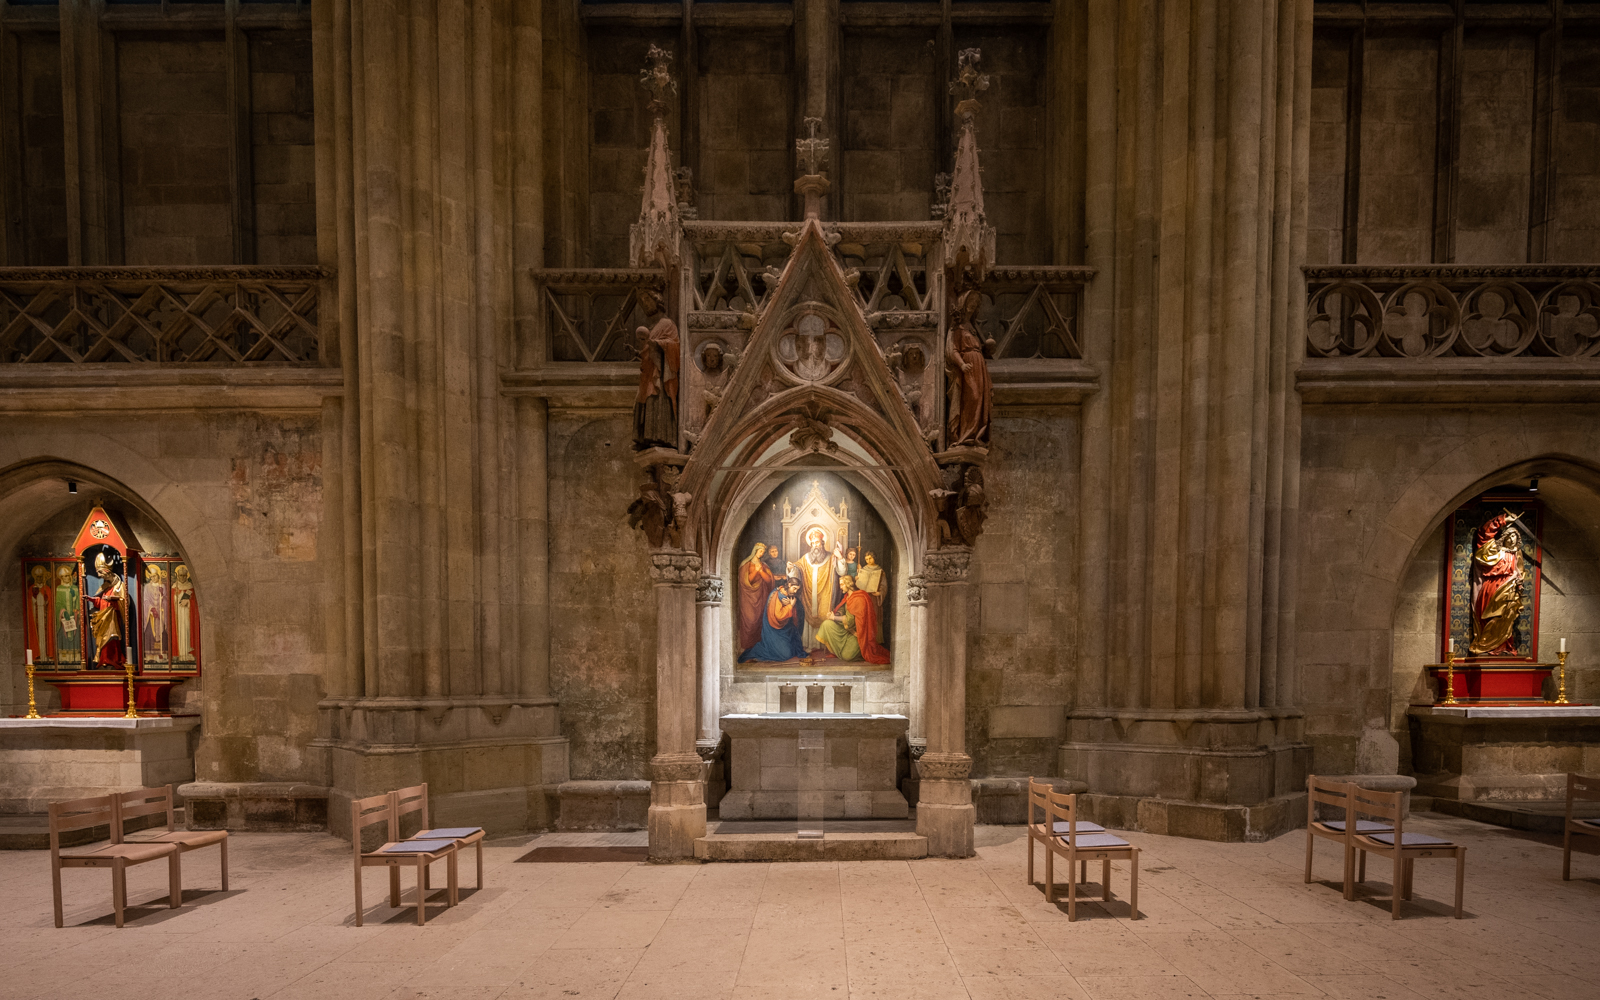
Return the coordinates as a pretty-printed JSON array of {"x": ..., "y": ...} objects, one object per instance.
[
  {"x": 1022, "y": 635},
  {"x": 1377, "y": 481},
  {"x": 241, "y": 495},
  {"x": 602, "y": 605}
]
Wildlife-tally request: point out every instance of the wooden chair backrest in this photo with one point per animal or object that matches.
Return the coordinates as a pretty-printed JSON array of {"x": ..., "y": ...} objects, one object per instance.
[
  {"x": 372, "y": 809},
  {"x": 143, "y": 802},
  {"x": 1581, "y": 788},
  {"x": 1062, "y": 806},
  {"x": 79, "y": 814},
  {"x": 1377, "y": 805},
  {"x": 1329, "y": 793},
  {"x": 1039, "y": 798},
  {"x": 410, "y": 800}
]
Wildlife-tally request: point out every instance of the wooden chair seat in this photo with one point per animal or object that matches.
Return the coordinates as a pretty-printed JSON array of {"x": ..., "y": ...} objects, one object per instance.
[
  {"x": 1084, "y": 826},
  {"x": 1094, "y": 840},
  {"x": 158, "y": 802},
  {"x": 1362, "y": 825},
  {"x": 464, "y": 836},
  {"x": 1580, "y": 788},
  {"x": 1401, "y": 848},
  {"x": 101, "y": 810}
]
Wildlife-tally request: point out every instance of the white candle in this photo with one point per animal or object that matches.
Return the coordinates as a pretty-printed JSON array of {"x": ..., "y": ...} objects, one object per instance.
[
  {"x": 1563, "y": 644},
  {"x": 29, "y": 654},
  {"x": 1452, "y": 645}
]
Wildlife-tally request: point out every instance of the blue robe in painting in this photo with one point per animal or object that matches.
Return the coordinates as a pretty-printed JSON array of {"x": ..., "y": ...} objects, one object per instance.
[{"x": 780, "y": 632}]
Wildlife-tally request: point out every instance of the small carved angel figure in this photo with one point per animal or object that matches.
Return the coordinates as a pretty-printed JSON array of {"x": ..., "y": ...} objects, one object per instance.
[{"x": 655, "y": 408}]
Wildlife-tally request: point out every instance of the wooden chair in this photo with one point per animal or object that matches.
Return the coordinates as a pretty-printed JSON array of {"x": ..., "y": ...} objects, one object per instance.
[
  {"x": 1077, "y": 845},
  {"x": 1580, "y": 788},
  {"x": 1037, "y": 831},
  {"x": 155, "y": 801},
  {"x": 396, "y": 853},
  {"x": 1401, "y": 848},
  {"x": 1321, "y": 791},
  {"x": 415, "y": 799},
  {"x": 101, "y": 810}
]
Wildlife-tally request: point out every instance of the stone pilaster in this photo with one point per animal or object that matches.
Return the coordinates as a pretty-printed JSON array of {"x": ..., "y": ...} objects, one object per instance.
[
  {"x": 677, "y": 788},
  {"x": 917, "y": 625},
  {"x": 708, "y": 603},
  {"x": 945, "y": 814}
]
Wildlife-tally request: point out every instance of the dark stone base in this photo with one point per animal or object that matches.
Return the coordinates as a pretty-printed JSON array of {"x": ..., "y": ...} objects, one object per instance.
[{"x": 1199, "y": 820}]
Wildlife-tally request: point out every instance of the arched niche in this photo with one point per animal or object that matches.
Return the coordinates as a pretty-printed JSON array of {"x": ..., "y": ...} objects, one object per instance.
[
  {"x": 40, "y": 516},
  {"x": 1569, "y": 599},
  {"x": 742, "y": 687}
]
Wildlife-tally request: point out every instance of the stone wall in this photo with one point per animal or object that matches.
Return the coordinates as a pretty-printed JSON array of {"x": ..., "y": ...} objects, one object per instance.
[
  {"x": 890, "y": 127},
  {"x": 619, "y": 132},
  {"x": 747, "y": 163},
  {"x": 43, "y": 213},
  {"x": 283, "y": 148}
]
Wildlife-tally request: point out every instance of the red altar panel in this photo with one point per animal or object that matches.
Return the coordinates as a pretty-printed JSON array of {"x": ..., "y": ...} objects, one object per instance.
[{"x": 1477, "y": 684}]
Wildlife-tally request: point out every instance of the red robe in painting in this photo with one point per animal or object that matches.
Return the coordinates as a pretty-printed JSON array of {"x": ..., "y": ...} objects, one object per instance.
[
  {"x": 865, "y": 609},
  {"x": 755, "y": 583}
]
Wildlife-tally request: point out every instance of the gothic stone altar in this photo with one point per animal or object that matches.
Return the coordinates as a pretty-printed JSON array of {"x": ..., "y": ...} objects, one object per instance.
[{"x": 860, "y": 773}]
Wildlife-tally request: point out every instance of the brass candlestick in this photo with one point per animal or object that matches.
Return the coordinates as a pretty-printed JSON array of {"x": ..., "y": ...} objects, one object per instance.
[
  {"x": 1449, "y": 678},
  {"x": 132, "y": 712},
  {"x": 33, "y": 709},
  {"x": 1561, "y": 679}
]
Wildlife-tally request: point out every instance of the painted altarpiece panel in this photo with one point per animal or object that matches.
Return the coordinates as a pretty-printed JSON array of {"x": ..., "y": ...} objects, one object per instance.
[{"x": 813, "y": 580}]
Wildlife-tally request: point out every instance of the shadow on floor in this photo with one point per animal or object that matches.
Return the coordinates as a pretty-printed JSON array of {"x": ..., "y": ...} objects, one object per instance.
[{"x": 156, "y": 911}]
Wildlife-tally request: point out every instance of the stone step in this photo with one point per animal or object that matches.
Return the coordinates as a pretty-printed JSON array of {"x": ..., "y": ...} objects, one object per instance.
[
  {"x": 1535, "y": 816},
  {"x": 832, "y": 847},
  {"x": 31, "y": 831}
]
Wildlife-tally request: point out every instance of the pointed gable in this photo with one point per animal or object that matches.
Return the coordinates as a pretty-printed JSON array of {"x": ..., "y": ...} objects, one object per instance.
[{"x": 101, "y": 528}]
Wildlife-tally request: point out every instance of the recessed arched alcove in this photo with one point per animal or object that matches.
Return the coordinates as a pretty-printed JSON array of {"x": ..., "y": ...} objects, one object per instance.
[
  {"x": 1569, "y": 606},
  {"x": 43, "y": 506}
]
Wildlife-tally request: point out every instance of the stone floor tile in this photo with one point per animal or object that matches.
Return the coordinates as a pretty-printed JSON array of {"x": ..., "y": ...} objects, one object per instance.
[
  {"x": 604, "y": 927},
  {"x": 1038, "y": 961},
  {"x": 677, "y": 986},
  {"x": 1112, "y": 954},
  {"x": 348, "y": 981},
  {"x": 571, "y": 972},
  {"x": 1363, "y": 986},
  {"x": 1299, "y": 950},
  {"x": 985, "y": 927},
  {"x": 1219, "y": 962},
  {"x": 1438, "y": 980},
  {"x": 1140, "y": 988},
  {"x": 1025, "y": 988}
]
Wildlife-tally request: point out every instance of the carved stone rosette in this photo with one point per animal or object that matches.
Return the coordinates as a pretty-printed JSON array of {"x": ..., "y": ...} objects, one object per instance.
[
  {"x": 947, "y": 565},
  {"x": 677, "y": 569},
  {"x": 917, "y": 590},
  {"x": 709, "y": 590},
  {"x": 951, "y": 766}
]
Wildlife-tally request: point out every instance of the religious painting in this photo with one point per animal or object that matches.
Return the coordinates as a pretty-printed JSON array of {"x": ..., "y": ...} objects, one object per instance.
[
  {"x": 185, "y": 618},
  {"x": 168, "y": 616},
  {"x": 812, "y": 584},
  {"x": 1493, "y": 552},
  {"x": 51, "y": 622}
]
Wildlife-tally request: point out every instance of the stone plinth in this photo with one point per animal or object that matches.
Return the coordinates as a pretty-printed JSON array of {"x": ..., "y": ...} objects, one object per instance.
[
  {"x": 48, "y": 760},
  {"x": 1502, "y": 754},
  {"x": 255, "y": 805},
  {"x": 860, "y": 770}
]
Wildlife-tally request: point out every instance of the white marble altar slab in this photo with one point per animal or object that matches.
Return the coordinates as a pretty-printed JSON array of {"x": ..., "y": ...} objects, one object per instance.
[
  {"x": 101, "y": 722},
  {"x": 1518, "y": 711}
]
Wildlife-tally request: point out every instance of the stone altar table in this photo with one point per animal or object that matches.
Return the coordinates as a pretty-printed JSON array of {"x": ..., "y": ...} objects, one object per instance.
[
  {"x": 1502, "y": 753},
  {"x": 861, "y": 765},
  {"x": 54, "y": 758}
]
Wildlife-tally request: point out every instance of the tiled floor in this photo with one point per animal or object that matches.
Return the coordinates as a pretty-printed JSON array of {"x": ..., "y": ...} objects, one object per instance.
[{"x": 1220, "y": 920}]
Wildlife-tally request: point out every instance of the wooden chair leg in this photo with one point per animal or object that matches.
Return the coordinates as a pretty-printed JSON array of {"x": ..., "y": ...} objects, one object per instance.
[
  {"x": 1072, "y": 895},
  {"x": 175, "y": 877},
  {"x": 1049, "y": 873},
  {"x": 452, "y": 870},
  {"x": 1030, "y": 858},
  {"x": 1083, "y": 871},
  {"x": 358, "y": 896},
  {"x": 394, "y": 886},
  {"x": 1461, "y": 876},
  {"x": 224, "y": 846},
  {"x": 1361, "y": 874},
  {"x": 119, "y": 888},
  {"x": 422, "y": 895},
  {"x": 1349, "y": 872},
  {"x": 1133, "y": 886},
  {"x": 1399, "y": 874},
  {"x": 1411, "y": 869},
  {"x": 1566, "y": 857},
  {"x": 480, "y": 862},
  {"x": 1309, "y": 840},
  {"x": 1105, "y": 880},
  {"x": 55, "y": 885}
]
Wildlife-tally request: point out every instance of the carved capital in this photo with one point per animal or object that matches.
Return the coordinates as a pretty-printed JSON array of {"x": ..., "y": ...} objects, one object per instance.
[
  {"x": 917, "y": 590},
  {"x": 708, "y": 750},
  {"x": 677, "y": 767},
  {"x": 918, "y": 748},
  {"x": 708, "y": 590},
  {"x": 675, "y": 568},
  {"x": 950, "y": 766},
  {"x": 947, "y": 565}
]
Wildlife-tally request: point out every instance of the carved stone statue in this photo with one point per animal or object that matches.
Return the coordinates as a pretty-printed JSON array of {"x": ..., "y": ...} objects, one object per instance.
[
  {"x": 971, "y": 394},
  {"x": 650, "y": 513},
  {"x": 962, "y": 505},
  {"x": 655, "y": 409}
]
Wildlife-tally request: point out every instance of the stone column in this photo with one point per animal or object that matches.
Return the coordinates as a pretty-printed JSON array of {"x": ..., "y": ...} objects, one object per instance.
[
  {"x": 708, "y": 601},
  {"x": 678, "y": 788},
  {"x": 945, "y": 813},
  {"x": 917, "y": 626}
]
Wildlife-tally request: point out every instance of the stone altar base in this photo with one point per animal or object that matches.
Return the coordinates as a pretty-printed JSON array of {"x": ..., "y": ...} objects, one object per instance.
[
  {"x": 51, "y": 759},
  {"x": 1467, "y": 753},
  {"x": 860, "y": 771}
]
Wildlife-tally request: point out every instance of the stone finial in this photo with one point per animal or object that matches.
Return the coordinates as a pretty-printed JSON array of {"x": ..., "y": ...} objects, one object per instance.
[
  {"x": 812, "y": 153},
  {"x": 969, "y": 239},
  {"x": 653, "y": 240}
]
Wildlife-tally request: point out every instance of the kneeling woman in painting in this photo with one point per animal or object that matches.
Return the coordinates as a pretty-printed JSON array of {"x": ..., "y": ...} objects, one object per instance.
[{"x": 780, "y": 628}]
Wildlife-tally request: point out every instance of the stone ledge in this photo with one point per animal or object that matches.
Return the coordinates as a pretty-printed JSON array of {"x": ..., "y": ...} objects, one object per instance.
[
  {"x": 743, "y": 804},
  {"x": 1402, "y": 783},
  {"x": 603, "y": 805},
  {"x": 255, "y": 805},
  {"x": 1004, "y": 801},
  {"x": 832, "y": 847},
  {"x": 1197, "y": 820}
]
